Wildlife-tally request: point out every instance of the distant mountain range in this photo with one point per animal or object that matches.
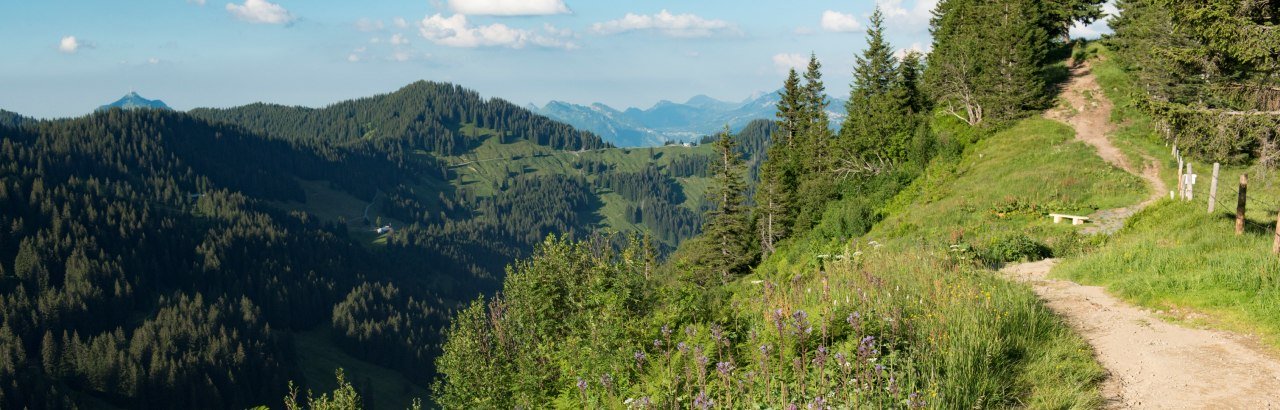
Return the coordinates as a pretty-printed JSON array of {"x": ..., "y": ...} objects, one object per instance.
[
  {"x": 670, "y": 121},
  {"x": 133, "y": 101}
]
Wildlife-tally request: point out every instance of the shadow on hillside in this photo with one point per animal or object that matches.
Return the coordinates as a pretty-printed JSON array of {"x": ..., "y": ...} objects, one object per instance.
[{"x": 1253, "y": 227}]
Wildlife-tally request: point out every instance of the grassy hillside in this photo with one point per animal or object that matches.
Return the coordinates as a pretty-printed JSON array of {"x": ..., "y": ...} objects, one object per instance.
[
  {"x": 1175, "y": 256},
  {"x": 926, "y": 265}
]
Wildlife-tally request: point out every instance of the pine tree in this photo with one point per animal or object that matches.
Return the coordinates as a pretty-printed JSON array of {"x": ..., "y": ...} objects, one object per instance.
[
  {"x": 815, "y": 183},
  {"x": 727, "y": 230}
]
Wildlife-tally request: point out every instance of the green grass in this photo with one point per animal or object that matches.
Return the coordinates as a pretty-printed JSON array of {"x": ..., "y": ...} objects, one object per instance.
[
  {"x": 320, "y": 358},
  {"x": 1006, "y": 186},
  {"x": 1177, "y": 257},
  {"x": 978, "y": 339}
]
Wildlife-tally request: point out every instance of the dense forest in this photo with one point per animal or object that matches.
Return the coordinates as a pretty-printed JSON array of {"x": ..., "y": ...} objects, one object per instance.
[
  {"x": 582, "y": 325},
  {"x": 156, "y": 258}
]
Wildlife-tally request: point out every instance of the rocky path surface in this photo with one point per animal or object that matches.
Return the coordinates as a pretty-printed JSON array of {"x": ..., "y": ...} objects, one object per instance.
[{"x": 1151, "y": 363}]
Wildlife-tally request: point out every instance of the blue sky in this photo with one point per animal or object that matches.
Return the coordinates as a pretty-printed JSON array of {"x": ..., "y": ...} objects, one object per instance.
[{"x": 64, "y": 58}]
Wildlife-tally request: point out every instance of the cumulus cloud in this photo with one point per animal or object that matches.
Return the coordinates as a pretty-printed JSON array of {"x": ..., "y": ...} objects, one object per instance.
[
  {"x": 785, "y": 62},
  {"x": 675, "y": 25},
  {"x": 399, "y": 39},
  {"x": 509, "y": 7},
  {"x": 914, "y": 48},
  {"x": 400, "y": 22},
  {"x": 1098, "y": 28},
  {"x": 839, "y": 22},
  {"x": 455, "y": 31},
  {"x": 69, "y": 45},
  {"x": 918, "y": 14},
  {"x": 260, "y": 12}
]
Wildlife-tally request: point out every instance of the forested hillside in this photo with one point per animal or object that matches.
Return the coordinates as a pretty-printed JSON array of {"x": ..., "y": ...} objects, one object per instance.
[{"x": 156, "y": 258}]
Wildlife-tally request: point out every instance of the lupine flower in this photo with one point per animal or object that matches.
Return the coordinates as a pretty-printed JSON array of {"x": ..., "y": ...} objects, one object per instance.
[
  {"x": 690, "y": 331},
  {"x": 866, "y": 348},
  {"x": 779, "y": 320},
  {"x": 716, "y": 333},
  {"x": 764, "y": 349},
  {"x": 802, "y": 322},
  {"x": 879, "y": 368},
  {"x": 644, "y": 402}
]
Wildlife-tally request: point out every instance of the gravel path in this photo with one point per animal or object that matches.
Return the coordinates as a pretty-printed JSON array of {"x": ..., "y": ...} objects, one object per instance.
[{"x": 1152, "y": 364}]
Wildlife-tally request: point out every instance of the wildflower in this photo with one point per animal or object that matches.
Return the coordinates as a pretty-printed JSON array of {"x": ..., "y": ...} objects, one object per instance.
[
  {"x": 793, "y": 406},
  {"x": 690, "y": 331},
  {"x": 866, "y": 348},
  {"x": 779, "y": 320},
  {"x": 582, "y": 385},
  {"x": 854, "y": 320},
  {"x": 657, "y": 344},
  {"x": 639, "y": 356},
  {"x": 701, "y": 401},
  {"x": 842, "y": 360},
  {"x": 607, "y": 381},
  {"x": 683, "y": 348},
  {"x": 820, "y": 358},
  {"x": 893, "y": 386},
  {"x": 914, "y": 401},
  {"x": 717, "y": 334},
  {"x": 666, "y": 331},
  {"x": 764, "y": 349},
  {"x": 818, "y": 403},
  {"x": 724, "y": 368}
]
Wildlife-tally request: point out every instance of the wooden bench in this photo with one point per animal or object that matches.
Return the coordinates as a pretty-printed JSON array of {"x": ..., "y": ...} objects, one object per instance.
[{"x": 1075, "y": 220}]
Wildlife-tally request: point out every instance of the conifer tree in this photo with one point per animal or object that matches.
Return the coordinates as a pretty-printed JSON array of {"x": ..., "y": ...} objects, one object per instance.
[
  {"x": 727, "y": 230},
  {"x": 879, "y": 123},
  {"x": 815, "y": 184},
  {"x": 775, "y": 196}
]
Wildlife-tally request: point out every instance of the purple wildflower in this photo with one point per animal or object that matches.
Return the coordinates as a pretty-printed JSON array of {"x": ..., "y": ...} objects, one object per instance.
[
  {"x": 820, "y": 358},
  {"x": 893, "y": 386},
  {"x": 639, "y": 356},
  {"x": 818, "y": 403},
  {"x": 842, "y": 360},
  {"x": 717, "y": 334},
  {"x": 607, "y": 381},
  {"x": 914, "y": 401},
  {"x": 779, "y": 320},
  {"x": 724, "y": 368},
  {"x": 691, "y": 331},
  {"x": 666, "y": 331},
  {"x": 764, "y": 349},
  {"x": 793, "y": 406},
  {"x": 866, "y": 348},
  {"x": 854, "y": 320},
  {"x": 683, "y": 348},
  {"x": 582, "y": 385},
  {"x": 701, "y": 401},
  {"x": 657, "y": 344}
]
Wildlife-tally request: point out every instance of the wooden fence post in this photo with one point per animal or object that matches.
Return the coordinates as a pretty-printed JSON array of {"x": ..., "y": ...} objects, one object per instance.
[
  {"x": 1275, "y": 243},
  {"x": 1213, "y": 188},
  {"x": 1181, "y": 189},
  {"x": 1244, "y": 186},
  {"x": 1191, "y": 183}
]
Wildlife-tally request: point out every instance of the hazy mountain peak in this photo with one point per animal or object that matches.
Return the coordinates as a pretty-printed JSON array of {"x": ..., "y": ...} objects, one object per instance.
[{"x": 133, "y": 101}]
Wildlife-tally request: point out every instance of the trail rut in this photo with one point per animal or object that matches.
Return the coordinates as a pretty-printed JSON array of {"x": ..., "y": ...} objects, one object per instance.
[{"x": 1151, "y": 363}]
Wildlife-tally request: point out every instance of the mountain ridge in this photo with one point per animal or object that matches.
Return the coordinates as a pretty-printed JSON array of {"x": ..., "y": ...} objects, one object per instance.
[{"x": 133, "y": 101}]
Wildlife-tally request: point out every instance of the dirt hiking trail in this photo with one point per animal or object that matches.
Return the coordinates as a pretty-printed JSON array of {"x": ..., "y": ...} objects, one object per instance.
[{"x": 1151, "y": 364}]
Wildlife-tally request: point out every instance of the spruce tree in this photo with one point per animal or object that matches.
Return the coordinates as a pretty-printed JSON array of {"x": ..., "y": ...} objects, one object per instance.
[
  {"x": 727, "y": 229},
  {"x": 815, "y": 184},
  {"x": 775, "y": 196},
  {"x": 879, "y": 120}
]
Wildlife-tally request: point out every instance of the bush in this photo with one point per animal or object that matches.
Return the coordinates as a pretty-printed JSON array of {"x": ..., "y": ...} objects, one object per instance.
[{"x": 1015, "y": 248}]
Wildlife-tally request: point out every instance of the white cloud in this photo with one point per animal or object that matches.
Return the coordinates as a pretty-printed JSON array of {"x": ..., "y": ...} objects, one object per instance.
[
  {"x": 1098, "y": 28},
  {"x": 400, "y": 22},
  {"x": 399, "y": 39},
  {"x": 509, "y": 7},
  {"x": 153, "y": 61},
  {"x": 675, "y": 25},
  {"x": 915, "y": 47},
  {"x": 353, "y": 58},
  {"x": 785, "y": 62},
  {"x": 69, "y": 45},
  {"x": 260, "y": 11},
  {"x": 196, "y": 2},
  {"x": 368, "y": 24},
  {"x": 915, "y": 17},
  {"x": 839, "y": 22},
  {"x": 455, "y": 31}
]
